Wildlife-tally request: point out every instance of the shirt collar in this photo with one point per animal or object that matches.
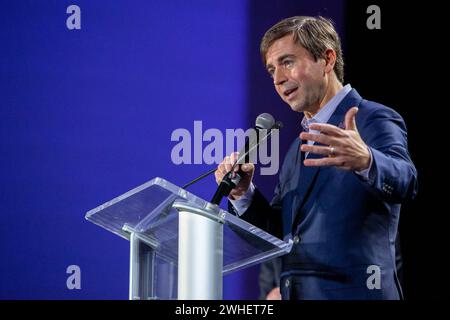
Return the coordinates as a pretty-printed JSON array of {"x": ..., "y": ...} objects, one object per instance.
[{"x": 328, "y": 109}]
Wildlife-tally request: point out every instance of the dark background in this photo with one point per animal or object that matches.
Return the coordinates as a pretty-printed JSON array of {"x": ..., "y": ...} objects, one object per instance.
[
  {"x": 399, "y": 66},
  {"x": 87, "y": 115}
]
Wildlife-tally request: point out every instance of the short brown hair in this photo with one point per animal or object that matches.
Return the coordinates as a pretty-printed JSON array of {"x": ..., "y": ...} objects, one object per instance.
[{"x": 315, "y": 34}]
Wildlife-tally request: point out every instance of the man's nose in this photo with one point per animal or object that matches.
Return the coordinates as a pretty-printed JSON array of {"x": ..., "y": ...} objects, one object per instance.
[{"x": 279, "y": 77}]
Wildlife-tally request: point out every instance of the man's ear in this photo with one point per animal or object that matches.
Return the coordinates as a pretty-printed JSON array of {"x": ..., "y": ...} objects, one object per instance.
[{"x": 330, "y": 60}]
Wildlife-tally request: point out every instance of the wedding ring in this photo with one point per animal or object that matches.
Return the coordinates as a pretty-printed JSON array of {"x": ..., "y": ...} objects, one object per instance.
[{"x": 332, "y": 151}]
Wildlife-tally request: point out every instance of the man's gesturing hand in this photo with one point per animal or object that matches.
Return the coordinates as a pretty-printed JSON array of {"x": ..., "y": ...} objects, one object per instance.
[
  {"x": 344, "y": 147},
  {"x": 246, "y": 172}
]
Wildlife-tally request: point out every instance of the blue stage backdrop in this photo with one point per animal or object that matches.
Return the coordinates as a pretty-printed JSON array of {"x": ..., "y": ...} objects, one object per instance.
[{"x": 87, "y": 114}]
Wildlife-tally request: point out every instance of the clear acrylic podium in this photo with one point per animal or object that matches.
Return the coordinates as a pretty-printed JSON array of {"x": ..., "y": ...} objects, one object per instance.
[{"x": 181, "y": 245}]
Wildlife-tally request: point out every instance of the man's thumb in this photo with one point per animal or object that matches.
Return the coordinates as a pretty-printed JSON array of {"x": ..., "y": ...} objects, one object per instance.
[{"x": 350, "y": 121}]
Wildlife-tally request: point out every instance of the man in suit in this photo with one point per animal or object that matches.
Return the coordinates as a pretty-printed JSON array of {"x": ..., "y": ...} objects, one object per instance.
[{"x": 342, "y": 181}]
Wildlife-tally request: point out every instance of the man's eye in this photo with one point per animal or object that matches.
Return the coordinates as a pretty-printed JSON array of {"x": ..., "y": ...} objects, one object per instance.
[
  {"x": 271, "y": 72},
  {"x": 288, "y": 63}
]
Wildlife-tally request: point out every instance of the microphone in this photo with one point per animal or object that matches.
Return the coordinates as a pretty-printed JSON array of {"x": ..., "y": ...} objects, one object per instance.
[{"x": 264, "y": 121}]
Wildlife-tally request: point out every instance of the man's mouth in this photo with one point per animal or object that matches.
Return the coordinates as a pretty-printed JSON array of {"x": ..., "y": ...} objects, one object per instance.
[{"x": 288, "y": 92}]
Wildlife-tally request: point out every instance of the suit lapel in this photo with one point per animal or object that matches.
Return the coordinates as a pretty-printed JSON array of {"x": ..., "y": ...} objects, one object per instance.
[{"x": 308, "y": 175}]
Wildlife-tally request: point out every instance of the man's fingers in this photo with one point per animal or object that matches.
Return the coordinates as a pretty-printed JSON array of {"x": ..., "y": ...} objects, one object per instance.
[
  {"x": 227, "y": 163},
  {"x": 350, "y": 121},
  {"x": 220, "y": 172},
  {"x": 326, "y": 162},
  {"x": 219, "y": 175},
  {"x": 223, "y": 169},
  {"x": 321, "y": 138},
  {"x": 233, "y": 157},
  {"x": 318, "y": 150},
  {"x": 329, "y": 129},
  {"x": 232, "y": 161},
  {"x": 248, "y": 167},
  {"x": 236, "y": 166}
]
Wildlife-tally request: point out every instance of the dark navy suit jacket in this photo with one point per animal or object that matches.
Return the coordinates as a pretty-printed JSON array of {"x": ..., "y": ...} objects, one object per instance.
[{"x": 344, "y": 226}]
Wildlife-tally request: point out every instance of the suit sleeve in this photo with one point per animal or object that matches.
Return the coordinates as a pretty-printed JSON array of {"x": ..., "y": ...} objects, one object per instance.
[
  {"x": 393, "y": 176},
  {"x": 262, "y": 214}
]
